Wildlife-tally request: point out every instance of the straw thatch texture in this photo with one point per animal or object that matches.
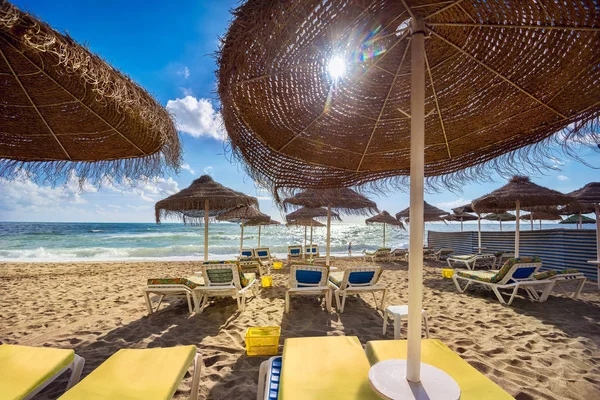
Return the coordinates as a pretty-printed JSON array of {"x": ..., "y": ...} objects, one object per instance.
[
  {"x": 189, "y": 203},
  {"x": 500, "y": 217},
  {"x": 243, "y": 214},
  {"x": 261, "y": 222},
  {"x": 467, "y": 208},
  {"x": 305, "y": 222},
  {"x": 521, "y": 189},
  {"x": 430, "y": 213},
  {"x": 574, "y": 219},
  {"x": 63, "y": 108},
  {"x": 586, "y": 199},
  {"x": 541, "y": 215},
  {"x": 344, "y": 200},
  {"x": 384, "y": 217},
  {"x": 310, "y": 212},
  {"x": 461, "y": 216},
  {"x": 500, "y": 76}
]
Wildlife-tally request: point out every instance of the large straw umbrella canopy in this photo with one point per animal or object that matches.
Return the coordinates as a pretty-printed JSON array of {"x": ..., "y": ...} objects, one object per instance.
[
  {"x": 519, "y": 193},
  {"x": 241, "y": 215},
  {"x": 461, "y": 216},
  {"x": 348, "y": 93},
  {"x": 344, "y": 200},
  {"x": 384, "y": 218},
  {"x": 64, "y": 108},
  {"x": 574, "y": 219},
  {"x": 500, "y": 217},
  {"x": 260, "y": 223},
  {"x": 430, "y": 213},
  {"x": 204, "y": 198}
]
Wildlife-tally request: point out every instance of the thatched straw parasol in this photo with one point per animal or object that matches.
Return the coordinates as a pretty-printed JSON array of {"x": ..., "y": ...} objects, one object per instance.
[
  {"x": 588, "y": 200},
  {"x": 520, "y": 192},
  {"x": 204, "y": 198},
  {"x": 64, "y": 108},
  {"x": 347, "y": 92},
  {"x": 308, "y": 214},
  {"x": 261, "y": 223},
  {"x": 343, "y": 200},
  {"x": 430, "y": 213},
  {"x": 500, "y": 217},
  {"x": 241, "y": 215},
  {"x": 578, "y": 219},
  {"x": 461, "y": 216},
  {"x": 541, "y": 215},
  {"x": 384, "y": 218},
  {"x": 306, "y": 222}
]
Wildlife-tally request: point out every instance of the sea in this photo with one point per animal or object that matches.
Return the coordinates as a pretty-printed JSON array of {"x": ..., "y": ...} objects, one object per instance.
[{"x": 63, "y": 242}]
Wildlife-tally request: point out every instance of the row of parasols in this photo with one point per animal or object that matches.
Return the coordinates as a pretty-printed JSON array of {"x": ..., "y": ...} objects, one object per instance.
[{"x": 205, "y": 199}]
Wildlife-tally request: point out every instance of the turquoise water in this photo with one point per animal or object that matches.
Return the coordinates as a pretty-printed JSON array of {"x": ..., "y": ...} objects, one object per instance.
[{"x": 134, "y": 241}]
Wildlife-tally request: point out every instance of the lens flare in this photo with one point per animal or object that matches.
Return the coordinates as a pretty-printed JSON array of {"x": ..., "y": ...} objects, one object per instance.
[{"x": 337, "y": 67}]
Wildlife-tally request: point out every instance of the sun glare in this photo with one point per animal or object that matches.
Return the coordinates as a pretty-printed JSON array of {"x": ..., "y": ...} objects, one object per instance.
[{"x": 337, "y": 67}]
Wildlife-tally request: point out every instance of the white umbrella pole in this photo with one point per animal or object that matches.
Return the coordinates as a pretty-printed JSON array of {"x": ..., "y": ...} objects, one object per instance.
[
  {"x": 206, "y": 230},
  {"x": 328, "y": 233},
  {"x": 304, "y": 253},
  {"x": 417, "y": 183},
  {"x": 598, "y": 236},
  {"x": 531, "y": 220},
  {"x": 461, "y": 224},
  {"x": 517, "y": 228},
  {"x": 259, "y": 236},
  {"x": 383, "y": 235},
  {"x": 242, "y": 236},
  {"x": 311, "y": 233},
  {"x": 580, "y": 226},
  {"x": 500, "y": 220},
  {"x": 540, "y": 224},
  {"x": 479, "y": 233}
]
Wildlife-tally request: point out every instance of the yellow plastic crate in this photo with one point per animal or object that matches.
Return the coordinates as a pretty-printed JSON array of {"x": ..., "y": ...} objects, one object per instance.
[
  {"x": 277, "y": 265},
  {"x": 267, "y": 281},
  {"x": 447, "y": 272},
  {"x": 262, "y": 340}
]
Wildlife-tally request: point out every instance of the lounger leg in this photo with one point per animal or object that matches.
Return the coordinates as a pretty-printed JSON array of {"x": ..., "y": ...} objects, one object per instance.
[
  {"x": 287, "y": 302},
  {"x": 343, "y": 302},
  {"x": 426, "y": 322},
  {"x": 579, "y": 288},
  {"x": 328, "y": 300},
  {"x": 384, "y": 323},
  {"x": 203, "y": 305},
  {"x": 546, "y": 293},
  {"x": 374, "y": 299},
  {"x": 78, "y": 363},
  {"x": 239, "y": 304},
  {"x": 189, "y": 301},
  {"x": 148, "y": 303},
  {"x": 460, "y": 290},
  {"x": 196, "y": 378},
  {"x": 382, "y": 308},
  {"x": 499, "y": 295},
  {"x": 162, "y": 296},
  {"x": 449, "y": 263},
  {"x": 337, "y": 300}
]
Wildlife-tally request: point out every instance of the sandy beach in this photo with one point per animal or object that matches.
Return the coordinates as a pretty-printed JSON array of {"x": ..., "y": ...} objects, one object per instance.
[{"x": 533, "y": 351}]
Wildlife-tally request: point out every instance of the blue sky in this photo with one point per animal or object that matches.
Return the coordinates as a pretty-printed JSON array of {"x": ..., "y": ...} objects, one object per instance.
[{"x": 168, "y": 48}]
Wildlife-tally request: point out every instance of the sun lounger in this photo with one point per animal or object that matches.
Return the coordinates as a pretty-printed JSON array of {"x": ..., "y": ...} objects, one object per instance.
[
  {"x": 379, "y": 255},
  {"x": 173, "y": 287},
  {"x": 139, "y": 374},
  {"x": 560, "y": 278},
  {"x": 356, "y": 280},
  {"x": 246, "y": 254},
  {"x": 263, "y": 254},
  {"x": 225, "y": 280},
  {"x": 308, "y": 280},
  {"x": 399, "y": 255},
  {"x": 443, "y": 253},
  {"x": 294, "y": 253},
  {"x": 312, "y": 251},
  {"x": 472, "y": 260},
  {"x": 515, "y": 274},
  {"x": 269, "y": 379},
  {"x": 473, "y": 384},
  {"x": 25, "y": 371}
]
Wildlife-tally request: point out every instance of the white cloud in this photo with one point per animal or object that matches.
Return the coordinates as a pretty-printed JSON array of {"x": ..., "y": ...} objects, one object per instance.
[
  {"x": 449, "y": 205},
  {"x": 185, "y": 72},
  {"x": 208, "y": 170},
  {"x": 114, "y": 207},
  {"x": 562, "y": 178},
  {"x": 186, "y": 91},
  {"x": 138, "y": 208},
  {"x": 197, "y": 117},
  {"x": 151, "y": 189},
  {"x": 188, "y": 168}
]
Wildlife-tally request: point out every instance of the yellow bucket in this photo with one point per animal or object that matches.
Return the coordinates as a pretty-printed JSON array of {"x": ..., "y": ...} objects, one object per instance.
[
  {"x": 267, "y": 281},
  {"x": 447, "y": 272},
  {"x": 262, "y": 341},
  {"x": 277, "y": 265}
]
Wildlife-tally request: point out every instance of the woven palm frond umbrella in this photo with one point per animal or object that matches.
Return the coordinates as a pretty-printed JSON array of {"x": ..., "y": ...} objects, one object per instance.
[
  {"x": 260, "y": 223},
  {"x": 306, "y": 222},
  {"x": 541, "y": 215},
  {"x": 343, "y": 200},
  {"x": 430, "y": 213},
  {"x": 308, "y": 214},
  {"x": 500, "y": 217},
  {"x": 519, "y": 193},
  {"x": 461, "y": 216},
  {"x": 384, "y": 218},
  {"x": 204, "y": 198},
  {"x": 63, "y": 108},
  {"x": 242, "y": 215},
  {"x": 578, "y": 219},
  {"x": 342, "y": 93}
]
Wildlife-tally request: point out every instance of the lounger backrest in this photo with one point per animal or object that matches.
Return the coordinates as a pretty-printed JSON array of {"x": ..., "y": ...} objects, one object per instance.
[
  {"x": 360, "y": 276},
  {"x": 247, "y": 253},
  {"x": 295, "y": 250},
  {"x": 382, "y": 252},
  {"x": 263, "y": 252},
  {"x": 308, "y": 276},
  {"x": 515, "y": 269},
  {"x": 314, "y": 249},
  {"x": 222, "y": 275}
]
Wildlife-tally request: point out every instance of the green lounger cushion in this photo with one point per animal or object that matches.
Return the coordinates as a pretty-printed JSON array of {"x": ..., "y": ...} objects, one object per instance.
[
  {"x": 550, "y": 273},
  {"x": 173, "y": 281},
  {"x": 150, "y": 374},
  {"x": 24, "y": 368}
]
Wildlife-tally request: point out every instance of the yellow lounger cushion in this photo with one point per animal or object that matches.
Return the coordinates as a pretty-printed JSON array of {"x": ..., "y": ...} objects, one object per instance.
[
  {"x": 136, "y": 374},
  {"x": 473, "y": 384},
  {"x": 328, "y": 367},
  {"x": 23, "y": 368}
]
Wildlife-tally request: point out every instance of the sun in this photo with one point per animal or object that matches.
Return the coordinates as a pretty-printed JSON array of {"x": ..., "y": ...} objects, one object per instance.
[{"x": 336, "y": 67}]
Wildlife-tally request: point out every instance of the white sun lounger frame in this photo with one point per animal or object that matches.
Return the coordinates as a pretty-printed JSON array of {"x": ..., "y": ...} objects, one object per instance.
[
  {"x": 346, "y": 288},
  {"x": 308, "y": 289},
  {"x": 76, "y": 367},
  {"x": 471, "y": 262},
  {"x": 170, "y": 290},
  {"x": 232, "y": 288}
]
